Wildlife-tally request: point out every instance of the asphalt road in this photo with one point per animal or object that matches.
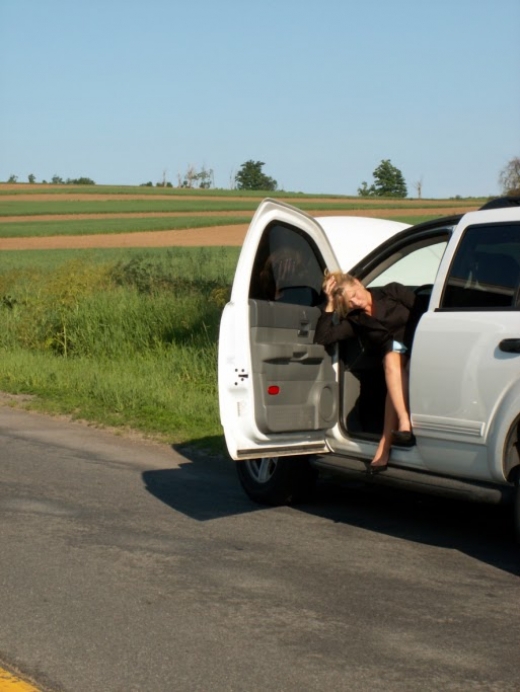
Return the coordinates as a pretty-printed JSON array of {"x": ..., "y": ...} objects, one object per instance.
[{"x": 128, "y": 566}]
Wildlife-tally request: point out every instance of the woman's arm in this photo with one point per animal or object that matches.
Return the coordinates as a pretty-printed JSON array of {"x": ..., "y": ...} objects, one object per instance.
[{"x": 330, "y": 330}]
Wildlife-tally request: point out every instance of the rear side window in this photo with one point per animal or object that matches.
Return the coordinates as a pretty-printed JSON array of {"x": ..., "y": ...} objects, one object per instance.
[
  {"x": 485, "y": 272},
  {"x": 288, "y": 268}
]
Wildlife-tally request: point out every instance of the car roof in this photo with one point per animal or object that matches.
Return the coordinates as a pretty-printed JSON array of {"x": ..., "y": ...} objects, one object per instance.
[{"x": 354, "y": 237}]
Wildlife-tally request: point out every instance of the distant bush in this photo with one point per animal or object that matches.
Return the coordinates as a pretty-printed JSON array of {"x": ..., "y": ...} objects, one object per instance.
[
  {"x": 80, "y": 181},
  {"x": 151, "y": 276},
  {"x": 509, "y": 178}
]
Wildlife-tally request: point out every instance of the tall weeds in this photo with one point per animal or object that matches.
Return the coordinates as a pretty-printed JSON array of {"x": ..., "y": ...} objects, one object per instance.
[{"x": 130, "y": 343}]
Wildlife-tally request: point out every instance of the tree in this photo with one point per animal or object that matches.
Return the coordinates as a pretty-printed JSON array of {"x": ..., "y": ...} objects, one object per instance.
[
  {"x": 56, "y": 180},
  {"x": 31, "y": 178},
  {"x": 388, "y": 182},
  {"x": 205, "y": 178},
  {"x": 12, "y": 179},
  {"x": 188, "y": 178},
  {"x": 250, "y": 177},
  {"x": 364, "y": 190},
  {"x": 509, "y": 178}
]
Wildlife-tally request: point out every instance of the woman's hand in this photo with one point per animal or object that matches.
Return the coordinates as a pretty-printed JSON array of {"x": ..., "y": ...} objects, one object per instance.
[{"x": 330, "y": 287}]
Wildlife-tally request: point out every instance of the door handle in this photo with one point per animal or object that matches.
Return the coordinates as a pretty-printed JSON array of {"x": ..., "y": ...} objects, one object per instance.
[
  {"x": 299, "y": 355},
  {"x": 304, "y": 328},
  {"x": 510, "y": 345},
  {"x": 311, "y": 354}
]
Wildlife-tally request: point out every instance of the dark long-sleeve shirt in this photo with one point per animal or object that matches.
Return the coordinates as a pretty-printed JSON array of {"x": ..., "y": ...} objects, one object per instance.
[{"x": 396, "y": 313}]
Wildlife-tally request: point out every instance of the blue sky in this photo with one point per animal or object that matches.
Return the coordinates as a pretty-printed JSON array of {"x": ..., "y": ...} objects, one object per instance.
[{"x": 122, "y": 90}]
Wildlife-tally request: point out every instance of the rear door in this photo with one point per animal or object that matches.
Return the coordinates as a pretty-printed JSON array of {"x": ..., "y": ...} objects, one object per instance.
[
  {"x": 277, "y": 388},
  {"x": 465, "y": 363}
]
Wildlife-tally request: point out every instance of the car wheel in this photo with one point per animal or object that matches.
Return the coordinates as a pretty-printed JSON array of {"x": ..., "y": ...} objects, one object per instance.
[
  {"x": 516, "y": 510},
  {"x": 512, "y": 470},
  {"x": 277, "y": 480}
]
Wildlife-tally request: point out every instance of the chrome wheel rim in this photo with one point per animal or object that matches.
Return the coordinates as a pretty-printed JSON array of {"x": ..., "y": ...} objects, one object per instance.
[{"x": 262, "y": 470}]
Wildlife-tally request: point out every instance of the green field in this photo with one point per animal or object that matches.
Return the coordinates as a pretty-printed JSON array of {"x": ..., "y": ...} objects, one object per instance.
[
  {"x": 139, "y": 206},
  {"x": 28, "y": 229},
  {"x": 130, "y": 206},
  {"x": 132, "y": 190},
  {"x": 125, "y": 338},
  {"x": 215, "y": 263}
]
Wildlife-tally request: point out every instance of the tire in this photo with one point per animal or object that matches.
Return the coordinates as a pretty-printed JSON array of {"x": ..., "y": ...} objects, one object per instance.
[
  {"x": 277, "y": 481},
  {"x": 512, "y": 471},
  {"x": 516, "y": 511}
]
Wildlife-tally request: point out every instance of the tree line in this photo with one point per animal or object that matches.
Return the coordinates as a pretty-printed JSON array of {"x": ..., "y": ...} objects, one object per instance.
[
  {"x": 388, "y": 180},
  {"x": 55, "y": 180}
]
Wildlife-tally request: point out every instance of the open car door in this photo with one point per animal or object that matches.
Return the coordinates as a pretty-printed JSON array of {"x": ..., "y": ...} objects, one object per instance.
[{"x": 277, "y": 388}]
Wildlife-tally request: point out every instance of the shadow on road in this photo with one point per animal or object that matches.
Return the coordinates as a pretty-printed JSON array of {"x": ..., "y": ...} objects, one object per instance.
[
  {"x": 482, "y": 531},
  {"x": 206, "y": 488}
]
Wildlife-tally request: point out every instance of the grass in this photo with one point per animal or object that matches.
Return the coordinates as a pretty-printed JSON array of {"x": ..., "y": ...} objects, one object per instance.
[
  {"x": 131, "y": 206},
  {"x": 27, "y": 229},
  {"x": 139, "y": 206},
  {"x": 188, "y": 262},
  {"x": 128, "y": 340},
  {"x": 159, "y": 395},
  {"x": 36, "y": 229}
]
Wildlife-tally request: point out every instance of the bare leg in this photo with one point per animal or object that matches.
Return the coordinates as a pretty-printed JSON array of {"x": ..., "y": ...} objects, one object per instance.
[
  {"x": 382, "y": 455},
  {"x": 396, "y": 376}
]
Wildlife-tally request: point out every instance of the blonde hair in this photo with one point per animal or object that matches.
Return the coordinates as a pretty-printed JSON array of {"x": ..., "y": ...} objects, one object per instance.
[{"x": 341, "y": 280}]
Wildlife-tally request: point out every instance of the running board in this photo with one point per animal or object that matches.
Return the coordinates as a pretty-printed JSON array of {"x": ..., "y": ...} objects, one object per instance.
[
  {"x": 418, "y": 481},
  {"x": 303, "y": 450}
]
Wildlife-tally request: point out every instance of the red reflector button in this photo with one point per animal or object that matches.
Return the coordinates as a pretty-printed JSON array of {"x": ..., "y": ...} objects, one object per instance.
[{"x": 273, "y": 390}]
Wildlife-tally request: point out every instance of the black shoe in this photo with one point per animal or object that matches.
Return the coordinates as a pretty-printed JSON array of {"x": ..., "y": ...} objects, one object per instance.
[
  {"x": 403, "y": 438},
  {"x": 373, "y": 470}
]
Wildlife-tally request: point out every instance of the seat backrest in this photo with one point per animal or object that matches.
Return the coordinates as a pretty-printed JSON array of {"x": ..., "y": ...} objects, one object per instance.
[{"x": 495, "y": 272}]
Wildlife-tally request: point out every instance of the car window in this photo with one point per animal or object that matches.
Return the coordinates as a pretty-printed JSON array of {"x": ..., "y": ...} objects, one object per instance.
[
  {"x": 485, "y": 272},
  {"x": 413, "y": 265},
  {"x": 288, "y": 267}
]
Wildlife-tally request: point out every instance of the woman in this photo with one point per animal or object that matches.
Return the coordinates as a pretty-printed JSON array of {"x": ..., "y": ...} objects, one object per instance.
[{"x": 384, "y": 319}]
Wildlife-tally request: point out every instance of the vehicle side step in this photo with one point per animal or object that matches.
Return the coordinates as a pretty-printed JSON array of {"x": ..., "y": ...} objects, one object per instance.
[{"x": 418, "y": 481}]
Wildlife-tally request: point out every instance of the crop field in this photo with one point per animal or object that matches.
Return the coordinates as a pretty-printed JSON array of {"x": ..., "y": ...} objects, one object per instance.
[
  {"x": 110, "y": 298},
  {"x": 61, "y": 216}
]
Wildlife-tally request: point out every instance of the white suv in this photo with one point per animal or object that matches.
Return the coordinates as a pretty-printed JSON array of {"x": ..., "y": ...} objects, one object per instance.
[{"x": 289, "y": 407}]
